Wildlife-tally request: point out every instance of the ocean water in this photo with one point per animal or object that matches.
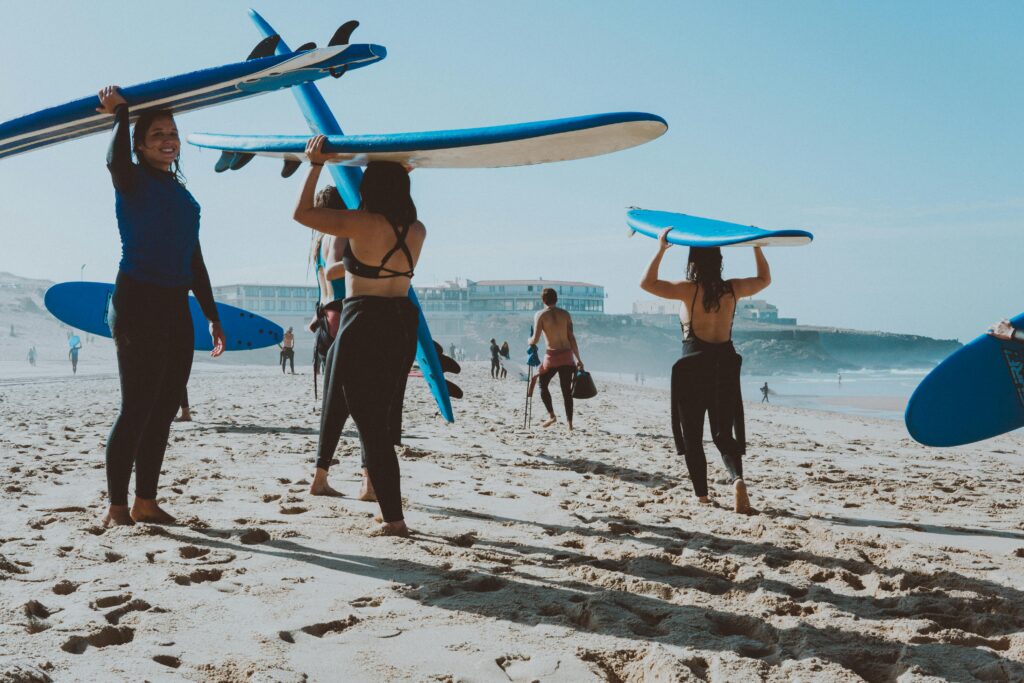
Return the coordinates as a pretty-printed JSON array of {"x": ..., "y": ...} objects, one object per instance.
[{"x": 875, "y": 393}]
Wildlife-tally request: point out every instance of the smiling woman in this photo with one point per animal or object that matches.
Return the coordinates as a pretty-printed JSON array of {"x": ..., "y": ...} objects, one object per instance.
[{"x": 149, "y": 313}]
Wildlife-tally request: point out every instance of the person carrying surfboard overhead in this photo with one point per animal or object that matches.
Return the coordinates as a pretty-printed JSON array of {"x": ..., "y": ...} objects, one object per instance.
[
  {"x": 561, "y": 357},
  {"x": 707, "y": 377},
  {"x": 376, "y": 340},
  {"x": 158, "y": 220},
  {"x": 1006, "y": 331}
]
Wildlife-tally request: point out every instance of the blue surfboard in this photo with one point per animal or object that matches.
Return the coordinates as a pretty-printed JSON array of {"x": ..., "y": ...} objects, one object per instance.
[
  {"x": 320, "y": 119},
  {"x": 85, "y": 306},
  {"x": 974, "y": 394},
  {"x": 74, "y": 340},
  {"x": 693, "y": 231},
  {"x": 517, "y": 144},
  {"x": 185, "y": 92}
]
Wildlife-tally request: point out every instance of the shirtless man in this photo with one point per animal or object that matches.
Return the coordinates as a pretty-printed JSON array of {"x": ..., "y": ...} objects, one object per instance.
[
  {"x": 288, "y": 350},
  {"x": 562, "y": 356}
]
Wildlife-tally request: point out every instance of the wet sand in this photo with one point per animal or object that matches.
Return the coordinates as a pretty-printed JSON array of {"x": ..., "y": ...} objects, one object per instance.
[{"x": 537, "y": 555}]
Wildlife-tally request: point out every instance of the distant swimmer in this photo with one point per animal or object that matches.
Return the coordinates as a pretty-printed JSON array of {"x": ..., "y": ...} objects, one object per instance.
[
  {"x": 495, "y": 361},
  {"x": 764, "y": 393},
  {"x": 562, "y": 356},
  {"x": 1007, "y": 332},
  {"x": 376, "y": 341},
  {"x": 707, "y": 377},
  {"x": 288, "y": 350},
  {"x": 149, "y": 311}
]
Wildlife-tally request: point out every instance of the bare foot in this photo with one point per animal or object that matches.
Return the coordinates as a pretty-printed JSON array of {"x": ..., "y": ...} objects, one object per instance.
[
  {"x": 570, "y": 426},
  {"x": 392, "y": 529},
  {"x": 320, "y": 487},
  {"x": 742, "y": 500},
  {"x": 703, "y": 500},
  {"x": 366, "y": 492},
  {"x": 147, "y": 511},
  {"x": 185, "y": 417},
  {"x": 117, "y": 515},
  {"x": 548, "y": 422}
]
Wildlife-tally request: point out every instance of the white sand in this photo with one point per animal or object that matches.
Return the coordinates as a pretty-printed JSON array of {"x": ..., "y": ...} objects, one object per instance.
[{"x": 538, "y": 556}]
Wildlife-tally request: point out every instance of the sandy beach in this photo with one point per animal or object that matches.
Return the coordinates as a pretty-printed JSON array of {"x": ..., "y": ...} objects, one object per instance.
[{"x": 537, "y": 555}]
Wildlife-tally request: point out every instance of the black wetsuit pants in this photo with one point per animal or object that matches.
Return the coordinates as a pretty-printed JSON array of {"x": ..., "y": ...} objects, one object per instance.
[
  {"x": 495, "y": 367},
  {"x": 368, "y": 366},
  {"x": 565, "y": 374},
  {"x": 335, "y": 421},
  {"x": 288, "y": 356},
  {"x": 152, "y": 330},
  {"x": 707, "y": 380}
]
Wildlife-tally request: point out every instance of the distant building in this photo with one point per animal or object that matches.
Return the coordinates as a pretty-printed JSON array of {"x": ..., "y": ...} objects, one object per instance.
[
  {"x": 754, "y": 310},
  {"x": 506, "y": 297},
  {"x": 271, "y": 301},
  {"x": 656, "y": 307}
]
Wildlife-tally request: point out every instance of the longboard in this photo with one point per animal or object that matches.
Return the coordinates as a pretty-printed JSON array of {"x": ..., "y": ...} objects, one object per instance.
[
  {"x": 85, "y": 306},
  {"x": 517, "y": 144},
  {"x": 320, "y": 119},
  {"x": 976, "y": 393},
  {"x": 185, "y": 92},
  {"x": 693, "y": 231}
]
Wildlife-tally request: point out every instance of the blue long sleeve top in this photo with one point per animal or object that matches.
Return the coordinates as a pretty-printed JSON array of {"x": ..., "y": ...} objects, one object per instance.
[{"x": 158, "y": 220}]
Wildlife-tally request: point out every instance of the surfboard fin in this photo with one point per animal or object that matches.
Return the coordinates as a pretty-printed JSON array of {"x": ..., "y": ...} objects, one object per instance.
[
  {"x": 290, "y": 167},
  {"x": 305, "y": 47},
  {"x": 265, "y": 48},
  {"x": 453, "y": 389},
  {"x": 344, "y": 33},
  {"x": 224, "y": 162},
  {"x": 240, "y": 160}
]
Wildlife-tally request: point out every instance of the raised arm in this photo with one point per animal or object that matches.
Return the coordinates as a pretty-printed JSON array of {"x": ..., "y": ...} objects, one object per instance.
[
  {"x": 666, "y": 289},
  {"x": 749, "y": 286},
  {"x": 119, "y": 153},
  {"x": 328, "y": 221}
]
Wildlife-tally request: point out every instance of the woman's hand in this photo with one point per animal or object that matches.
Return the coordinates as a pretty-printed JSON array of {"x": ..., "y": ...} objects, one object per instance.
[
  {"x": 219, "y": 340},
  {"x": 315, "y": 150},
  {"x": 663, "y": 239},
  {"x": 110, "y": 99},
  {"x": 1002, "y": 330}
]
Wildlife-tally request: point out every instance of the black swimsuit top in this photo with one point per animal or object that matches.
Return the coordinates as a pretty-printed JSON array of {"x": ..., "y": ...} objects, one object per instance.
[
  {"x": 360, "y": 269},
  {"x": 687, "y": 327}
]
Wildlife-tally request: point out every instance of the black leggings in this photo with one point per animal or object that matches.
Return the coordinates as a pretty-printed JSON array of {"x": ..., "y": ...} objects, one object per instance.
[
  {"x": 152, "y": 330},
  {"x": 288, "y": 356},
  {"x": 707, "y": 380},
  {"x": 368, "y": 366},
  {"x": 565, "y": 375}
]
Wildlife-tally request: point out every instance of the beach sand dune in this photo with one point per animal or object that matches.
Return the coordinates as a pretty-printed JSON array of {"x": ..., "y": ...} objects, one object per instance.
[{"x": 537, "y": 555}]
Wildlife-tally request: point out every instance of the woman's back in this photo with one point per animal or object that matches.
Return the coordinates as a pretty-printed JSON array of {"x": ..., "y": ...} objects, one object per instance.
[
  {"x": 713, "y": 326},
  {"x": 375, "y": 243}
]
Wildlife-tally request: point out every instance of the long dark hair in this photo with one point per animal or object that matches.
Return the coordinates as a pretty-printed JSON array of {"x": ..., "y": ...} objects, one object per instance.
[
  {"x": 327, "y": 198},
  {"x": 142, "y": 126},
  {"x": 385, "y": 190},
  {"x": 705, "y": 268}
]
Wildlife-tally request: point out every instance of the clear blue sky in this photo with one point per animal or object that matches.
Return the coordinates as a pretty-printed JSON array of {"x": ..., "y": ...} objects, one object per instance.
[{"x": 891, "y": 130}]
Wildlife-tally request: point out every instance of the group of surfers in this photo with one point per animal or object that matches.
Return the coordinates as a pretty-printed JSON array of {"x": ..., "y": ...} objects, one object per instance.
[{"x": 366, "y": 325}]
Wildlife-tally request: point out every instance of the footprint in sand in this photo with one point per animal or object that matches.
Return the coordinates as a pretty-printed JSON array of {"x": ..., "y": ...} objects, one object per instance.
[
  {"x": 198, "y": 576},
  {"x": 321, "y": 629},
  {"x": 105, "y": 637},
  {"x": 168, "y": 661},
  {"x": 254, "y": 537}
]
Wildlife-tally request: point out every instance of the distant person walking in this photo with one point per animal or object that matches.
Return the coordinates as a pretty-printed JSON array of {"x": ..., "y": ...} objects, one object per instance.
[
  {"x": 32, "y": 356},
  {"x": 73, "y": 355},
  {"x": 158, "y": 220},
  {"x": 706, "y": 380},
  {"x": 764, "y": 393},
  {"x": 376, "y": 340},
  {"x": 506, "y": 354},
  {"x": 495, "y": 362},
  {"x": 288, "y": 350},
  {"x": 561, "y": 357}
]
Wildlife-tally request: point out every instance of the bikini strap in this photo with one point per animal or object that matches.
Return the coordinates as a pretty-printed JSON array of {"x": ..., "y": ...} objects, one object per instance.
[{"x": 400, "y": 245}]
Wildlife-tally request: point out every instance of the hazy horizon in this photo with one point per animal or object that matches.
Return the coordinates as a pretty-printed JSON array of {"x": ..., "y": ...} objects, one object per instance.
[{"x": 890, "y": 131}]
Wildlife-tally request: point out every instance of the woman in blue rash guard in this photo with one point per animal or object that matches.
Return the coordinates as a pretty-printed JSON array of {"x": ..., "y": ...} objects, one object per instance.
[{"x": 149, "y": 314}]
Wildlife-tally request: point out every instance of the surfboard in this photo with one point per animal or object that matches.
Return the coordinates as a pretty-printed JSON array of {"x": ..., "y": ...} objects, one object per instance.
[
  {"x": 320, "y": 120},
  {"x": 517, "y": 144},
  {"x": 186, "y": 92},
  {"x": 974, "y": 394},
  {"x": 693, "y": 231},
  {"x": 85, "y": 306},
  {"x": 74, "y": 340}
]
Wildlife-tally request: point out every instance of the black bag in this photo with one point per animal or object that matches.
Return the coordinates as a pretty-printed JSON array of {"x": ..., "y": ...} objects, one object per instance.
[{"x": 583, "y": 386}]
